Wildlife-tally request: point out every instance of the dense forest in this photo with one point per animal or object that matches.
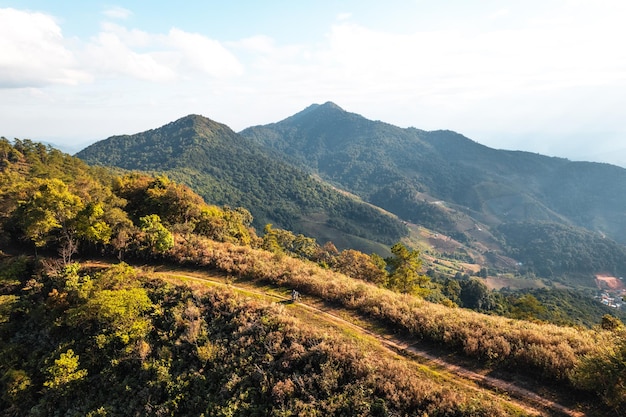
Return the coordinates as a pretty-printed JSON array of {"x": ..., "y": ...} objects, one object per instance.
[
  {"x": 564, "y": 249},
  {"x": 405, "y": 170},
  {"x": 228, "y": 169},
  {"x": 82, "y": 339}
]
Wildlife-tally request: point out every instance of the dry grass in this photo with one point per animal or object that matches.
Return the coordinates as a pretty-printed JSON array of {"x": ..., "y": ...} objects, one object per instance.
[{"x": 546, "y": 350}]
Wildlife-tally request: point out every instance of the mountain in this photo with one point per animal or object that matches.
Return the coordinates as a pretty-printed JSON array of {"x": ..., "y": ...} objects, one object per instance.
[
  {"x": 228, "y": 169},
  {"x": 442, "y": 180}
]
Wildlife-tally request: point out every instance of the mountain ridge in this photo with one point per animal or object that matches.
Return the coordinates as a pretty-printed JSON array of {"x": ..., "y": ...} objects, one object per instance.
[
  {"x": 439, "y": 179},
  {"x": 404, "y": 170},
  {"x": 229, "y": 169}
]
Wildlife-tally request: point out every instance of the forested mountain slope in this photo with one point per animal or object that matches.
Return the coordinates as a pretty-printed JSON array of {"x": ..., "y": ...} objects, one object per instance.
[
  {"x": 416, "y": 174},
  {"x": 228, "y": 169}
]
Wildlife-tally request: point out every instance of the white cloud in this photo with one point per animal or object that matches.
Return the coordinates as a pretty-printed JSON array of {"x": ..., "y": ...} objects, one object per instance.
[
  {"x": 257, "y": 44},
  {"x": 109, "y": 56},
  {"x": 133, "y": 38},
  {"x": 199, "y": 53},
  {"x": 549, "y": 55},
  {"x": 117, "y": 12},
  {"x": 118, "y": 52},
  {"x": 34, "y": 52}
]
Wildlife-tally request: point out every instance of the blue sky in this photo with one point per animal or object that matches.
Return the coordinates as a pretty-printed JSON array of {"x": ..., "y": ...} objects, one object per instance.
[{"x": 542, "y": 76}]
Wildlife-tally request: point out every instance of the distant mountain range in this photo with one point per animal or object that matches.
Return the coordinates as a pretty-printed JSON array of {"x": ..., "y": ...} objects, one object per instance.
[{"x": 438, "y": 179}]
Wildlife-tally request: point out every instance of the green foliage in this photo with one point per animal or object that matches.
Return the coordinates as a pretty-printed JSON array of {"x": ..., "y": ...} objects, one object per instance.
[
  {"x": 16, "y": 382},
  {"x": 611, "y": 323},
  {"x": 405, "y": 271},
  {"x": 528, "y": 307},
  {"x": 58, "y": 204},
  {"x": 178, "y": 206},
  {"x": 604, "y": 372},
  {"x": 50, "y": 208},
  {"x": 91, "y": 224},
  {"x": 474, "y": 294},
  {"x": 64, "y": 371},
  {"x": 559, "y": 306},
  {"x": 554, "y": 250},
  {"x": 228, "y": 169},
  {"x": 120, "y": 313},
  {"x": 156, "y": 237},
  {"x": 284, "y": 241}
]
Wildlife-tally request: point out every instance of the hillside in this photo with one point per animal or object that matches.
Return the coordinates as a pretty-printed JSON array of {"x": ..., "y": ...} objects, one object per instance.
[
  {"x": 228, "y": 169},
  {"x": 437, "y": 178},
  {"x": 96, "y": 338}
]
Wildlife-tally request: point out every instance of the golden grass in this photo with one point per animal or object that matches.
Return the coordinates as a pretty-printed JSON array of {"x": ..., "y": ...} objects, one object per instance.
[{"x": 544, "y": 349}]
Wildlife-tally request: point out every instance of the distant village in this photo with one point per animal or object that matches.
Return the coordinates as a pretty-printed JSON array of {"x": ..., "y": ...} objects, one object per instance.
[
  {"x": 613, "y": 291},
  {"x": 615, "y": 300}
]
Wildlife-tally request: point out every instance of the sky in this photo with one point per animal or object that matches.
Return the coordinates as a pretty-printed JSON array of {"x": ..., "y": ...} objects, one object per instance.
[{"x": 544, "y": 76}]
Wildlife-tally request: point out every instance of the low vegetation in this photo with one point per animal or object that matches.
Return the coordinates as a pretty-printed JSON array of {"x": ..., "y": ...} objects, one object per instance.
[
  {"x": 545, "y": 350},
  {"x": 115, "y": 342}
]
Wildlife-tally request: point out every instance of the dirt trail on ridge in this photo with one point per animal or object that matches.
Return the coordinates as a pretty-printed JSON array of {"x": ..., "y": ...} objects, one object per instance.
[{"x": 529, "y": 401}]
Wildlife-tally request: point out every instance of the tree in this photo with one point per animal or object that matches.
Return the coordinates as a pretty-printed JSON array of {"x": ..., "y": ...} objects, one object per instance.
[
  {"x": 605, "y": 373},
  {"x": 119, "y": 314},
  {"x": 405, "y": 275},
  {"x": 65, "y": 370},
  {"x": 51, "y": 208},
  {"x": 91, "y": 224},
  {"x": 527, "y": 307},
  {"x": 611, "y": 323},
  {"x": 452, "y": 290},
  {"x": 358, "y": 265},
  {"x": 270, "y": 240},
  {"x": 475, "y": 295},
  {"x": 156, "y": 237},
  {"x": 279, "y": 240}
]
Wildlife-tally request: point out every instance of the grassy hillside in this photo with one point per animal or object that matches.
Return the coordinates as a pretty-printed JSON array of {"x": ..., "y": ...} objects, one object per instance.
[
  {"x": 228, "y": 169},
  {"x": 115, "y": 342}
]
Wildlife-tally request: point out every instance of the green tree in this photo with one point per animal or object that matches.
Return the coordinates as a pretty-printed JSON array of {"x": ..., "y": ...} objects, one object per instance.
[
  {"x": 528, "y": 307},
  {"x": 91, "y": 224},
  {"x": 65, "y": 370},
  {"x": 405, "y": 275},
  {"x": 452, "y": 290},
  {"x": 270, "y": 240},
  {"x": 605, "y": 373},
  {"x": 611, "y": 323},
  {"x": 51, "y": 208},
  {"x": 156, "y": 237},
  {"x": 475, "y": 295}
]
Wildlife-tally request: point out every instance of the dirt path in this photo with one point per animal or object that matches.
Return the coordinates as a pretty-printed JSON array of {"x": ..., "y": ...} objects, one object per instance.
[{"x": 529, "y": 401}]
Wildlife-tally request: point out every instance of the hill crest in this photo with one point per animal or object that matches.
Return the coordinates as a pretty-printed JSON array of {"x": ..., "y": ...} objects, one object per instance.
[{"x": 229, "y": 169}]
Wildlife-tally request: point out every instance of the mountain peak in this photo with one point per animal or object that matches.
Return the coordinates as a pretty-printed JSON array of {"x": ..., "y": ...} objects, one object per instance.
[
  {"x": 191, "y": 120},
  {"x": 330, "y": 105}
]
